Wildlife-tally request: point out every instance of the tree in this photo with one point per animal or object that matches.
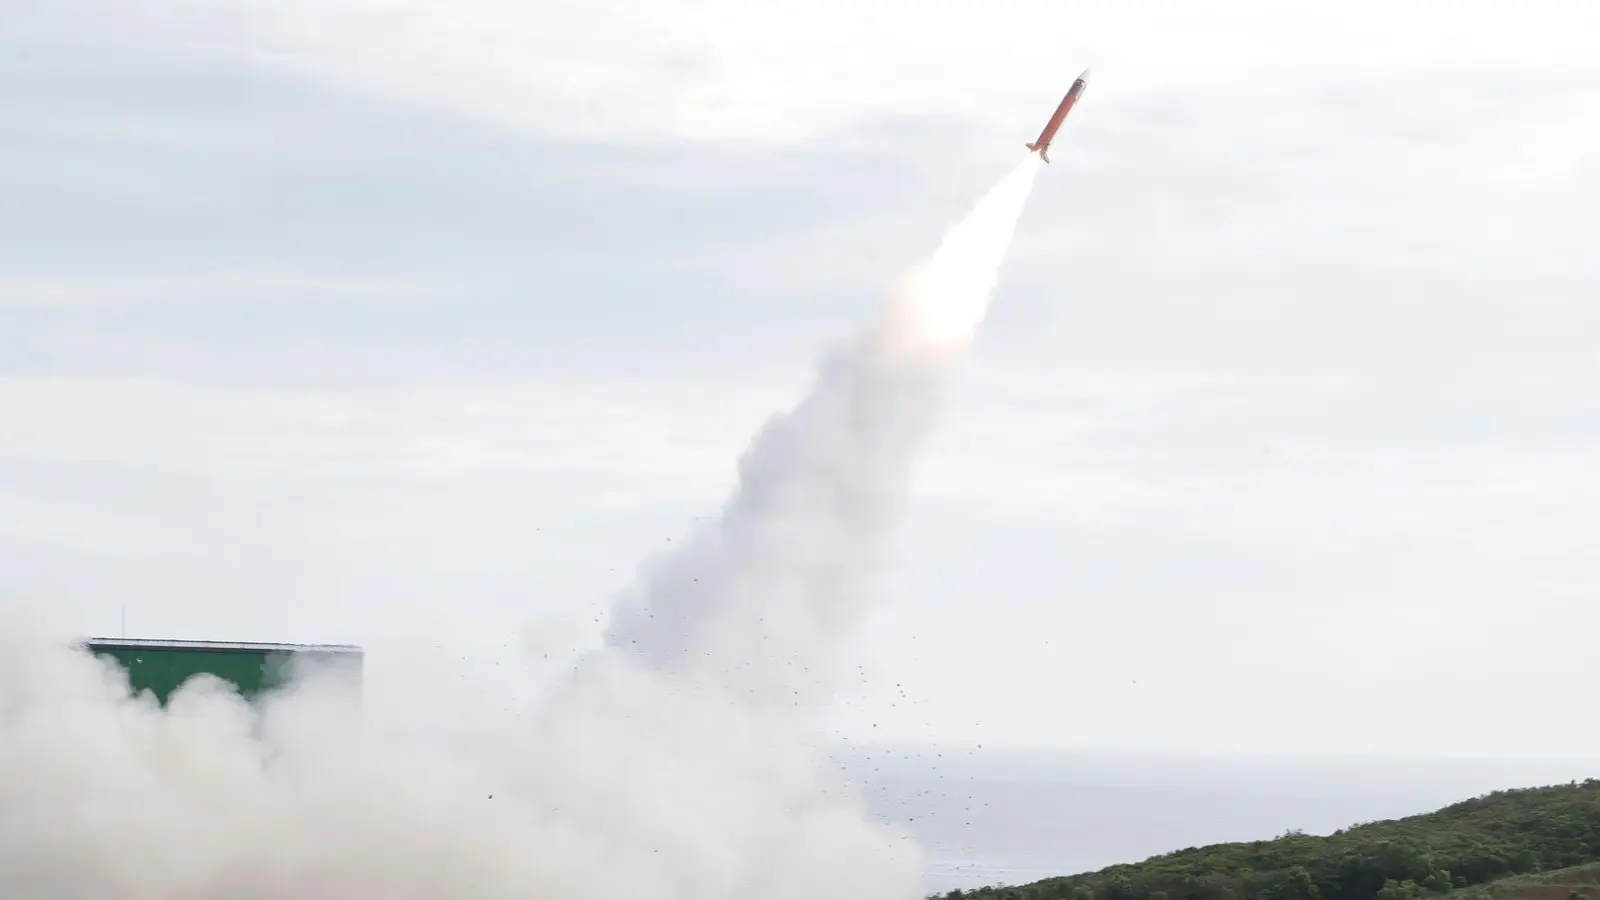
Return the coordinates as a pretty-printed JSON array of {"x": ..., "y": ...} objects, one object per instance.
[
  {"x": 1400, "y": 890},
  {"x": 1298, "y": 886}
]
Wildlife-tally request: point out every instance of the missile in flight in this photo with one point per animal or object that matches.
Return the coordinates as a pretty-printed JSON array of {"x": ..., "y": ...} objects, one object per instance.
[{"x": 1042, "y": 144}]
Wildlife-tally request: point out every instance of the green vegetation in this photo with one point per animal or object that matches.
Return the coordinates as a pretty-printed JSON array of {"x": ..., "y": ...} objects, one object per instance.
[
  {"x": 1577, "y": 883},
  {"x": 1469, "y": 851}
]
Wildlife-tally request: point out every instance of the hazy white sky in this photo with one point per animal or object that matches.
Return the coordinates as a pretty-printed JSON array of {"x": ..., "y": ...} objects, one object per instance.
[{"x": 412, "y": 323}]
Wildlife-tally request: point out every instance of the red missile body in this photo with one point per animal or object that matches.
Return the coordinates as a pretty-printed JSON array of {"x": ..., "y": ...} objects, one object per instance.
[{"x": 1042, "y": 145}]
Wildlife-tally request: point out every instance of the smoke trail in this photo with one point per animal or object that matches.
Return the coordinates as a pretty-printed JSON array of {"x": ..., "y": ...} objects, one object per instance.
[
  {"x": 675, "y": 762},
  {"x": 779, "y": 574},
  {"x": 704, "y": 693}
]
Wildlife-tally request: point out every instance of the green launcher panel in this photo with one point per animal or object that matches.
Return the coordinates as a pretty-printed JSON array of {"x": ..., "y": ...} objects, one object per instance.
[{"x": 161, "y": 667}]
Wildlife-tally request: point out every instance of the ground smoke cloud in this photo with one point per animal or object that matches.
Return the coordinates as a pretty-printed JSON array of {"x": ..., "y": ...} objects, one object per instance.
[{"x": 676, "y": 762}]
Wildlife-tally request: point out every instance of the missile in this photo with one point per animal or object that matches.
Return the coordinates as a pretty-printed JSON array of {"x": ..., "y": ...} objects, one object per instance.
[{"x": 1042, "y": 145}]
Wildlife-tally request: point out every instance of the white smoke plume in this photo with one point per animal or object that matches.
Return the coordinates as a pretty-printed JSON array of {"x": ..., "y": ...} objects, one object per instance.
[{"x": 676, "y": 762}]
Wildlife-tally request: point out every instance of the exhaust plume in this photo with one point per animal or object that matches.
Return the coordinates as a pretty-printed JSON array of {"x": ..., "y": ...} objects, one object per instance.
[{"x": 678, "y": 761}]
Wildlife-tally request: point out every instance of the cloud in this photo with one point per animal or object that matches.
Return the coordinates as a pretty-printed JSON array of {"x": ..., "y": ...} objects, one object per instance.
[
  {"x": 91, "y": 292},
  {"x": 1087, "y": 445},
  {"x": 346, "y": 318},
  {"x": 787, "y": 73},
  {"x": 440, "y": 431}
]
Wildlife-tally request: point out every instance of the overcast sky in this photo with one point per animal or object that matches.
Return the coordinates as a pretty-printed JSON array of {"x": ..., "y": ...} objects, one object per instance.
[{"x": 409, "y": 324}]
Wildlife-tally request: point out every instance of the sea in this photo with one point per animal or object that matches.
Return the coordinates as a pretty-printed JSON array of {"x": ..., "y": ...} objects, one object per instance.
[{"x": 991, "y": 817}]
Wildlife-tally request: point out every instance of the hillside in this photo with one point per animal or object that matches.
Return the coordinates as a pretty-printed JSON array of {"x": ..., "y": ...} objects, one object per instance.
[
  {"x": 1469, "y": 849},
  {"x": 1577, "y": 883}
]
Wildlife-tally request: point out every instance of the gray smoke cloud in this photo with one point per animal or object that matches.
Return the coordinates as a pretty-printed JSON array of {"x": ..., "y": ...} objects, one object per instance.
[{"x": 680, "y": 759}]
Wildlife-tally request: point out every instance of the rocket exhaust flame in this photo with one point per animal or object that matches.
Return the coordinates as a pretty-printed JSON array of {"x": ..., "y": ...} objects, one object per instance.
[
  {"x": 941, "y": 302},
  {"x": 676, "y": 761}
]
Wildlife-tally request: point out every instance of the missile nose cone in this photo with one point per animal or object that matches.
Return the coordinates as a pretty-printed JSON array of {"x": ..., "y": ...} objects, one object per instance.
[{"x": 1084, "y": 77}]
